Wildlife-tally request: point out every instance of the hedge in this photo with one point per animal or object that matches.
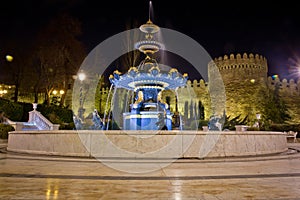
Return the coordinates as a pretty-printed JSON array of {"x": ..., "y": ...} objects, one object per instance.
[{"x": 4, "y": 129}]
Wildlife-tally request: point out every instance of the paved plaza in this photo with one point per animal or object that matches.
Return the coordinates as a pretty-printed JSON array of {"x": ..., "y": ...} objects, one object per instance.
[{"x": 51, "y": 177}]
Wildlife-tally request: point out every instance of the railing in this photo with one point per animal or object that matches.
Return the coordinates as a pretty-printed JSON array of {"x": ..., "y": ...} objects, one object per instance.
[
  {"x": 17, "y": 125},
  {"x": 36, "y": 120},
  {"x": 41, "y": 122}
]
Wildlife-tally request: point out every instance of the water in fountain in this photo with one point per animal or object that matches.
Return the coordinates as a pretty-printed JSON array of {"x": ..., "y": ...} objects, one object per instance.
[
  {"x": 148, "y": 81},
  {"x": 106, "y": 119}
]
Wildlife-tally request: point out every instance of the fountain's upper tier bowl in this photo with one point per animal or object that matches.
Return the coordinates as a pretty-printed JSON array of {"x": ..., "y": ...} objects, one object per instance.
[
  {"x": 149, "y": 27},
  {"x": 153, "y": 78},
  {"x": 148, "y": 46}
]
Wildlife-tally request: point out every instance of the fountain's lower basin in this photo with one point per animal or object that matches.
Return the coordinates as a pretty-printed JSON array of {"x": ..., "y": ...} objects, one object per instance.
[{"x": 175, "y": 144}]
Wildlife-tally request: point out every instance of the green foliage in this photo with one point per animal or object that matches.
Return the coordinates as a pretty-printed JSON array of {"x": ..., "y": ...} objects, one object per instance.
[
  {"x": 202, "y": 123},
  {"x": 285, "y": 127},
  {"x": 201, "y": 110},
  {"x": 194, "y": 125},
  {"x": 253, "y": 129},
  {"x": 26, "y": 107},
  {"x": 4, "y": 129},
  {"x": 100, "y": 99},
  {"x": 13, "y": 111},
  {"x": 274, "y": 107},
  {"x": 67, "y": 126},
  {"x": 56, "y": 114},
  {"x": 231, "y": 123},
  {"x": 113, "y": 126}
]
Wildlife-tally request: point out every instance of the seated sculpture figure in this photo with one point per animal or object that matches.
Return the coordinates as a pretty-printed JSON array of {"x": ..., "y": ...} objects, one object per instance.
[
  {"x": 139, "y": 101},
  {"x": 163, "y": 104}
]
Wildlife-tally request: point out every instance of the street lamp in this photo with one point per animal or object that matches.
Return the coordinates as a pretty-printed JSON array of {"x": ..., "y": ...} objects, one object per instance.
[
  {"x": 81, "y": 77},
  {"x": 57, "y": 96},
  {"x": 9, "y": 58}
]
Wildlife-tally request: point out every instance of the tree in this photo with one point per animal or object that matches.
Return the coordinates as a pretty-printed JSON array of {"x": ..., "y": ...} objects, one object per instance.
[
  {"x": 132, "y": 57},
  {"x": 17, "y": 66},
  {"x": 274, "y": 107},
  {"x": 100, "y": 98},
  {"x": 201, "y": 111},
  {"x": 59, "y": 54}
]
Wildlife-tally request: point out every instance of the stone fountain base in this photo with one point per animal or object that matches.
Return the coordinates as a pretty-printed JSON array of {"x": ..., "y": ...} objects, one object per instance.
[
  {"x": 149, "y": 144},
  {"x": 145, "y": 121}
]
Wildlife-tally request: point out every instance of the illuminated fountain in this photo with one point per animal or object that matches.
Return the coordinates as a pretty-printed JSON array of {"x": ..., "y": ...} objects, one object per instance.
[
  {"x": 142, "y": 108},
  {"x": 147, "y": 81}
]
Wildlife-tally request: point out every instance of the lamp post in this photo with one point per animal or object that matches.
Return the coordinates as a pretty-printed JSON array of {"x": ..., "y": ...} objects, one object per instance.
[
  {"x": 81, "y": 77},
  {"x": 57, "y": 96}
]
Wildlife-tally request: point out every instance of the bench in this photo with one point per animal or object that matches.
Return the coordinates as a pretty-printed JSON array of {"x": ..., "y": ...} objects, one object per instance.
[{"x": 292, "y": 134}]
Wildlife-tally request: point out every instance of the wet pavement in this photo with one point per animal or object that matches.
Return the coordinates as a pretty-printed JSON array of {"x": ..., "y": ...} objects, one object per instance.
[{"x": 24, "y": 176}]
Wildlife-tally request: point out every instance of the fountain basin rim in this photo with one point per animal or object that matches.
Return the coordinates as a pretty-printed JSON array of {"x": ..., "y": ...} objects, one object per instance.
[{"x": 149, "y": 132}]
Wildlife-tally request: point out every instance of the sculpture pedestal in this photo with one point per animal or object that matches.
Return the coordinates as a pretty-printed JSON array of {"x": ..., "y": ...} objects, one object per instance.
[{"x": 145, "y": 120}]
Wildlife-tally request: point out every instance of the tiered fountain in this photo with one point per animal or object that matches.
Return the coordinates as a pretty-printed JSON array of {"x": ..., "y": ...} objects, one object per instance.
[{"x": 148, "y": 80}]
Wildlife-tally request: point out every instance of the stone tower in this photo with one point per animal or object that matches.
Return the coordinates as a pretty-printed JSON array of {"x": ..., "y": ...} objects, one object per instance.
[{"x": 243, "y": 77}]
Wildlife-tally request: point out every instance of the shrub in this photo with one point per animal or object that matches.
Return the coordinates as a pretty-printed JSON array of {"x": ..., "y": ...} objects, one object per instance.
[
  {"x": 67, "y": 126},
  {"x": 285, "y": 127},
  {"x": 202, "y": 123},
  {"x": 231, "y": 123},
  {"x": 253, "y": 129},
  {"x": 27, "y": 107},
  {"x": 4, "y": 129},
  {"x": 56, "y": 113},
  {"x": 13, "y": 111}
]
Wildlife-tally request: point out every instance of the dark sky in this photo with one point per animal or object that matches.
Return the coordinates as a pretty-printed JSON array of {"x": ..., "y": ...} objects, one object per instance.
[{"x": 221, "y": 28}]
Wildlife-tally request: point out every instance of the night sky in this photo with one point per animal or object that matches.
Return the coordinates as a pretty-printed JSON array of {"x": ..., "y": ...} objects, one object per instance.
[{"x": 221, "y": 28}]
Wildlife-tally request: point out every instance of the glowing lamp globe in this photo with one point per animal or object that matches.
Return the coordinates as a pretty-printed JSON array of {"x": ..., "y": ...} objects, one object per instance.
[{"x": 9, "y": 58}]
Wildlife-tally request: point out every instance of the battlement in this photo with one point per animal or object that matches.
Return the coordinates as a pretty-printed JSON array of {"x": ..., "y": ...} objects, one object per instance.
[
  {"x": 283, "y": 84},
  {"x": 256, "y": 64},
  {"x": 291, "y": 86},
  {"x": 241, "y": 62}
]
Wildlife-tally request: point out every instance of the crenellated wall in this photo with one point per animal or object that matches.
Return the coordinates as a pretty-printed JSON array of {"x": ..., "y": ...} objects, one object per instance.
[
  {"x": 239, "y": 68},
  {"x": 289, "y": 87},
  {"x": 290, "y": 93},
  {"x": 244, "y": 75},
  {"x": 246, "y": 61}
]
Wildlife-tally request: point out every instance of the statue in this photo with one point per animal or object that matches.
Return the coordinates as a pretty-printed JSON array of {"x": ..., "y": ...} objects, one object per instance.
[
  {"x": 164, "y": 105},
  {"x": 161, "y": 122},
  {"x": 97, "y": 122},
  {"x": 77, "y": 122},
  {"x": 139, "y": 100},
  {"x": 215, "y": 124}
]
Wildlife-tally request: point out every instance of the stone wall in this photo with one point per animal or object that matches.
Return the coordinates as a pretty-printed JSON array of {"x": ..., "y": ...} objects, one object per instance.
[
  {"x": 147, "y": 144},
  {"x": 244, "y": 76}
]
